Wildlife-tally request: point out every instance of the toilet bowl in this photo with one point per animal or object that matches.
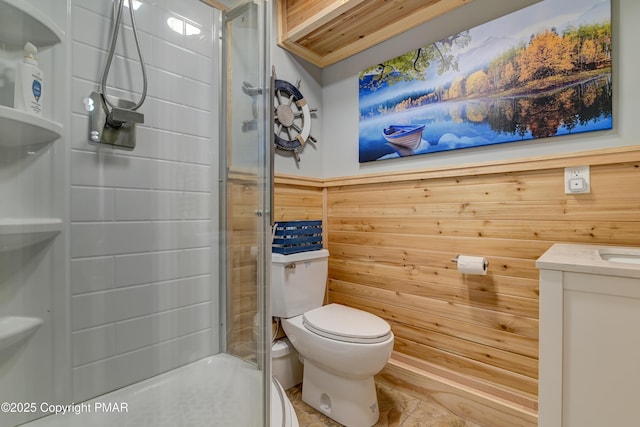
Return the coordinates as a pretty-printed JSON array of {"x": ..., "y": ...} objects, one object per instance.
[
  {"x": 341, "y": 348},
  {"x": 352, "y": 353},
  {"x": 339, "y": 365}
]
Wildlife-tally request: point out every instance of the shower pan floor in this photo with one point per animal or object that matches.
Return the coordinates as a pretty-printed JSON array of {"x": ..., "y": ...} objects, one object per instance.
[{"x": 220, "y": 390}]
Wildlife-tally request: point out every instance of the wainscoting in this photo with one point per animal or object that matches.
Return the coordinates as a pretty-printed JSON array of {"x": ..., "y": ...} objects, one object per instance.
[
  {"x": 469, "y": 342},
  {"x": 242, "y": 193},
  {"x": 293, "y": 201}
]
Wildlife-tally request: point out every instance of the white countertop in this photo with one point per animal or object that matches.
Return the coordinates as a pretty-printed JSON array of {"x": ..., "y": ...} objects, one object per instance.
[{"x": 588, "y": 259}]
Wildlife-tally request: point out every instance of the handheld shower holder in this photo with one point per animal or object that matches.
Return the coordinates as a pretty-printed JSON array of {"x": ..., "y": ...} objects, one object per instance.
[{"x": 116, "y": 127}]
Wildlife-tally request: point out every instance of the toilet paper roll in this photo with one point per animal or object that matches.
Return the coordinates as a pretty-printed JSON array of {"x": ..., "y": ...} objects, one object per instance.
[{"x": 472, "y": 264}]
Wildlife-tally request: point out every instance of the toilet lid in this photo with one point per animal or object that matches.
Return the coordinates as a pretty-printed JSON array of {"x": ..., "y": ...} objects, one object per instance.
[{"x": 348, "y": 324}]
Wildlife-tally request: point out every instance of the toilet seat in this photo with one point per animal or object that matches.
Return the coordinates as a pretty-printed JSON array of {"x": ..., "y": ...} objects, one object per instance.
[{"x": 342, "y": 323}]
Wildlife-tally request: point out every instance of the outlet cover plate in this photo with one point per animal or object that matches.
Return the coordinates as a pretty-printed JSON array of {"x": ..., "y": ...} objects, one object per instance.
[{"x": 577, "y": 180}]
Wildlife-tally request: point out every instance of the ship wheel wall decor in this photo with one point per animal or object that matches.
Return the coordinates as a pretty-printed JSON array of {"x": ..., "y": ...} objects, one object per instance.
[{"x": 292, "y": 118}]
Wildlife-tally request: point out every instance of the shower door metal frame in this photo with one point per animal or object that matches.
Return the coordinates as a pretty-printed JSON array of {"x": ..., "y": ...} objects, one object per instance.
[{"x": 264, "y": 186}]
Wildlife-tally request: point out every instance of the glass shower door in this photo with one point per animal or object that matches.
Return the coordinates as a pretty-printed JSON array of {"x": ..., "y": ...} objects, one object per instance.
[{"x": 245, "y": 185}]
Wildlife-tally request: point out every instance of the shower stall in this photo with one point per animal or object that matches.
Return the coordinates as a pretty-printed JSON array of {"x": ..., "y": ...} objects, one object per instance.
[{"x": 134, "y": 280}]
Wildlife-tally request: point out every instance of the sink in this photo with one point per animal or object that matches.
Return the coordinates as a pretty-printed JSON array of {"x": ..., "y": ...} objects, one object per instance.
[
  {"x": 624, "y": 256},
  {"x": 622, "y": 261}
]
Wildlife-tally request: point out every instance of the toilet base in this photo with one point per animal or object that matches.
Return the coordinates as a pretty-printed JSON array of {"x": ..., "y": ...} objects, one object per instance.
[{"x": 351, "y": 402}]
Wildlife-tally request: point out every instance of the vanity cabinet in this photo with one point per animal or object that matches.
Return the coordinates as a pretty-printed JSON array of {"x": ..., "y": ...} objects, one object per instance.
[{"x": 589, "y": 337}]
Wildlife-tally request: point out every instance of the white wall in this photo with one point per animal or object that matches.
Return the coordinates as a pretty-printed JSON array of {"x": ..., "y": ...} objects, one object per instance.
[
  {"x": 340, "y": 96},
  {"x": 291, "y": 68},
  {"x": 143, "y": 234}
]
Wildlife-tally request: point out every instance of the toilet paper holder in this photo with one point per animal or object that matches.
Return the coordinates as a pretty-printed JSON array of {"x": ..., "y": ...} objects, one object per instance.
[{"x": 455, "y": 260}]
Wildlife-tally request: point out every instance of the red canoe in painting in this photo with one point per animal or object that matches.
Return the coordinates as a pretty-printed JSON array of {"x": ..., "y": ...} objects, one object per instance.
[{"x": 404, "y": 135}]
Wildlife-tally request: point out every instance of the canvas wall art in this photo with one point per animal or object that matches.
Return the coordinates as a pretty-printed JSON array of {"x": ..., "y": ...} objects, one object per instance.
[{"x": 540, "y": 72}]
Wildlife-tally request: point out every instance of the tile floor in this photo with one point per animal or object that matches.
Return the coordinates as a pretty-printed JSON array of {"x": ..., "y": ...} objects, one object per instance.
[{"x": 396, "y": 409}]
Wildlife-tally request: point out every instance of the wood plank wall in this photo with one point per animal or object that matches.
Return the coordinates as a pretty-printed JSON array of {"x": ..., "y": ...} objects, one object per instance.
[
  {"x": 242, "y": 229},
  {"x": 298, "y": 199},
  {"x": 292, "y": 202},
  {"x": 392, "y": 238}
]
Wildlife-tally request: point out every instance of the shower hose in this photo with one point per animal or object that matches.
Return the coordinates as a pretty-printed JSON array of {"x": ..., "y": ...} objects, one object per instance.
[{"x": 112, "y": 48}]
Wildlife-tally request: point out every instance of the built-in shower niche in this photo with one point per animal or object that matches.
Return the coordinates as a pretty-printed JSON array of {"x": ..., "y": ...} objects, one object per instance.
[
  {"x": 23, "y": 129},
  {"x": 26, "y": 290},
  {"x": 15, "y": 329},
  {"x": 21, "y": 233},
  {"x": 32, "y": 206},
  {"x": 21, "y": 22},
  {"x": 26, "y": 327}
]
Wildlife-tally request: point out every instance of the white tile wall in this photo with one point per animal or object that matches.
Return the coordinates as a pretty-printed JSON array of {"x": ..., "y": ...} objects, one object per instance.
[
  {"x": 161, "y": 327},
  {"x": 92, "y": 274},
  {"x": 137, "y": 205},
  {"x": 92, "y": 204},
  {"x": 142, "y": 282},
  {"x": 152, "y": 267},
  {"x": 93, "y": 344},
  {"x": 92, "y": 379},
  {"x": 100, "y": 308}
]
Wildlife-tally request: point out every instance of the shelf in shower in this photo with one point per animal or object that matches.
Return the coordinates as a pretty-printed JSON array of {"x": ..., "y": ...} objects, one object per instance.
[
  {"x": 21, "y": 22},
  {"x": 14, "y": 329},
  {"x": 20, "y": 233},
  {"x": 20, "y": 128}
]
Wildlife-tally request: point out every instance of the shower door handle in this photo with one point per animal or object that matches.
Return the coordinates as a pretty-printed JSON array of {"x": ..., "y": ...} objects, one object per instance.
[{"x": 272, "y": 142}]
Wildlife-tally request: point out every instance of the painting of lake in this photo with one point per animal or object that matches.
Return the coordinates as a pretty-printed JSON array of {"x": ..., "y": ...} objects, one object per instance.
[{"x": 540, "y": 72}]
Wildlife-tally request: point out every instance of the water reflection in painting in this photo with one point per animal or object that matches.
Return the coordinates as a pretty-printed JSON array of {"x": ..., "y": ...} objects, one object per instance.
[{"x": 479, "y": 87}]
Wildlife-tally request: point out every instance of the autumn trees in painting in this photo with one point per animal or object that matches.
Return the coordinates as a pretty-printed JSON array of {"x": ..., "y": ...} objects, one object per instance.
[{"x": 548, "y": 61}]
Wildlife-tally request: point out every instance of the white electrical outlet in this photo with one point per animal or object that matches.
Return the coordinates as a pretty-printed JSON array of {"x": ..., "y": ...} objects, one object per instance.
[{"x": 577, "y": 180}]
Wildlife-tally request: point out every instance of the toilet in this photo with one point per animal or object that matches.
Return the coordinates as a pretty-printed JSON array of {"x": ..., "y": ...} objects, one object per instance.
[{"x": 341, "y": 348}]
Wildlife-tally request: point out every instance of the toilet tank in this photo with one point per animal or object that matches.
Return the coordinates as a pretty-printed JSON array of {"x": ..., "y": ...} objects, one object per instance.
[{"x": 298, "y": 282}]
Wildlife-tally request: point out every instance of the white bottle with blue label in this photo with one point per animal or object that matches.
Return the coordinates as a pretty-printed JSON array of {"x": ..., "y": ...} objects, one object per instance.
[{"x": 29, "y": 83}]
